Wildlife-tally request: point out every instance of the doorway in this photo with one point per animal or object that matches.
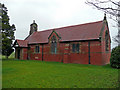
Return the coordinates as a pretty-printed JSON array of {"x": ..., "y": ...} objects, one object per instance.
[{"x": 18, "y": 54}]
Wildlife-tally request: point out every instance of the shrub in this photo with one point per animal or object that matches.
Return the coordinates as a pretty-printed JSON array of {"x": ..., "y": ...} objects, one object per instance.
[{"x": 115, "y": 57}]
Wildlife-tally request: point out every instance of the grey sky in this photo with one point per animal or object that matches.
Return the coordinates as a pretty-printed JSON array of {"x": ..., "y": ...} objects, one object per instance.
[{"x": 52, "y": 14}]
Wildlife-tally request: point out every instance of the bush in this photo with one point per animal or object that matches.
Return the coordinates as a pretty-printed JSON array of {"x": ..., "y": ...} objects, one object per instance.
[{"x": 115, "y": 57}]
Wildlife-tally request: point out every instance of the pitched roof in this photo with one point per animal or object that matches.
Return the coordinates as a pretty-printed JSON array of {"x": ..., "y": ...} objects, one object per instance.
[
  {"x": 88, "y": 31},
  {"x": 22, "y": 43}
]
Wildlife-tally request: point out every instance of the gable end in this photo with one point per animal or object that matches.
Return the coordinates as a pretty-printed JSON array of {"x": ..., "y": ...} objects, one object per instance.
[
  {"x": 102, "y": 29},
  {"x": 55, "y": 33}
]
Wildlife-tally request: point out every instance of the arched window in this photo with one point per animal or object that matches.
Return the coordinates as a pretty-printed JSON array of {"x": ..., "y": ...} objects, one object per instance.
[
  {"x": 54, "y": 45},
  {"x": 106, "y": 41}
]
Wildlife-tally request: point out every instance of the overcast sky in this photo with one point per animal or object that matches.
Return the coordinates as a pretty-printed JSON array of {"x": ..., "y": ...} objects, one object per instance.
[{"x": 50, "y": 14}]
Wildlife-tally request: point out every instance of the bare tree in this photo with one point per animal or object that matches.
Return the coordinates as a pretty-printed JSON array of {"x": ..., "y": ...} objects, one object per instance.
[
  {"x": 110, "y": 7},
  {"x": 118, "y": 36}
]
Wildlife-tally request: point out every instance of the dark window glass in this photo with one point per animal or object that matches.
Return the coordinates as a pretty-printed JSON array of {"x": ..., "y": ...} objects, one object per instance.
[
  {"x": 73, "y": 48},
  {"x": 106, "y": 41},
  {"x": 77, "y": 47},
  {"x": 54, "y": 45},
  {"x": 37, "y": 49}
]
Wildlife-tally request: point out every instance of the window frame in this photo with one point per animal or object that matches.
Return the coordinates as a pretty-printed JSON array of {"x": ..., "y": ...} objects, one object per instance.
[
  {"x": 106, "y": 41},
  {"x": 75, "y": 48},
  {"x": 37, "y": 49},
  {"x": 54, "y": 45}
]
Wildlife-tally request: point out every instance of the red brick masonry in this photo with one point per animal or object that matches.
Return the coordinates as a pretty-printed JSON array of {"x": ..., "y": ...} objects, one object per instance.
[{"x": 90, "y": 36}]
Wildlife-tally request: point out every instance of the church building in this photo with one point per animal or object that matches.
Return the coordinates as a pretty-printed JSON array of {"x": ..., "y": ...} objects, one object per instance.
[{"x": 87, "y": 43}]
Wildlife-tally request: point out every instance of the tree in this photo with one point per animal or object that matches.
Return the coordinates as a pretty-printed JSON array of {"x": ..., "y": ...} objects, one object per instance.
[
  {"x": 115, "y": 57},
  {"x": 7, "y": 32},
  {"x": 112, "y": 8}
]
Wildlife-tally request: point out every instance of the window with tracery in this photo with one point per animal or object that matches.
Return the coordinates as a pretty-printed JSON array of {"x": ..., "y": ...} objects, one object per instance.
[{"x": 54, "y": 45}]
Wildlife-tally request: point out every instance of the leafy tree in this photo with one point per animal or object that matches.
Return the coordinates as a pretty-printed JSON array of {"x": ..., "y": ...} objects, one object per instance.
[
  {"x": 7, "y": 32},
  {"x": 115, "y": 57},
  {"x": 112, "y": 8}
]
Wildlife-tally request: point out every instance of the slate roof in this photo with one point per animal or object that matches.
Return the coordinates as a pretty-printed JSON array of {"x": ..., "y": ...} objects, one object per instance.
[
  {"x": 88, "y": 31},
  {"x": 22, "y": 43}
]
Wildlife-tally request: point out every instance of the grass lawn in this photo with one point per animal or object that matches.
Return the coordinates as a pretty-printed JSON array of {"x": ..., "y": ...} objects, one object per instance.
[{"x": 38, "y": 74}]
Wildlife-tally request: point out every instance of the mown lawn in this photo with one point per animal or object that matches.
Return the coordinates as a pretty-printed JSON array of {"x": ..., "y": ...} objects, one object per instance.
[{"x": 38, "y": 74}]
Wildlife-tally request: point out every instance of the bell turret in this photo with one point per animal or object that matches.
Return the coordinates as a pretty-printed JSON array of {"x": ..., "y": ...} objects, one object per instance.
[{"x": 33, "y": 27}]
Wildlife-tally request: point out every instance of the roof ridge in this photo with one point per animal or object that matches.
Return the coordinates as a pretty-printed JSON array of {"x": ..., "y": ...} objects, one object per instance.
[
  {"x": 77, "y": 32},
  {"x": 70, "y": 26}
]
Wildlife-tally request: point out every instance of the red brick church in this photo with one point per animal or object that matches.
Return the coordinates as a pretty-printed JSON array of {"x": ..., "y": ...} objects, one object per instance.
[{"x": 84, "y": 44}]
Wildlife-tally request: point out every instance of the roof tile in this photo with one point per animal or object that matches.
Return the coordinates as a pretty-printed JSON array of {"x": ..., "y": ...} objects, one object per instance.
[
  {"x": 86, "y": 31},
  {"x": 22, "y": 43}
]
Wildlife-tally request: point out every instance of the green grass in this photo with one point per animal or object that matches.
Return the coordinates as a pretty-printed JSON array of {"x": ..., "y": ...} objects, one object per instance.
[
  {"x": 38, "y": 74},
  {"x": 12, "y": 56}
]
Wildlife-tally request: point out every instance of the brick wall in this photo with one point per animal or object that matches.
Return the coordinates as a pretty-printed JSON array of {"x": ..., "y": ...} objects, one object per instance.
[
  {"x": 97, "y": 54},
  {"x": 65, "y": 54}
]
